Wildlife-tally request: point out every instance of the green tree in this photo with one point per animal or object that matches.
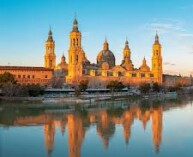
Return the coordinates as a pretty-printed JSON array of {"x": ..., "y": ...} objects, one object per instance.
[
  {"x": 156, "y": 87},
  {"x": 10, "y": 89},
  {"x": 83, "y": 85},
  {"x": 77, "y": 92},
  {"x": 5, "y": 78},
  {"x": 178, "y": 87},
  {"x": 35, "y": 90},
  {"x": 115, "y": 85},
  {"x": 144, "y": 88}
]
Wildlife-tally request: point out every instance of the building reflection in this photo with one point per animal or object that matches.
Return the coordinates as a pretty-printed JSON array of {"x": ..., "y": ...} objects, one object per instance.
[
  {"x": 49, "y": 132},
  {"x": 75, "y": 125},
  {"x": 75, "y": 135},
  {"x": 127, "y": 121},
  {"x": 157, "y": 127},
  {"x": 105, "y": 127}
]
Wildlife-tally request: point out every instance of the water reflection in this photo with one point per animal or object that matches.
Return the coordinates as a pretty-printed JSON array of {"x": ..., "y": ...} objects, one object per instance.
[{"x": 76, "y": 123}]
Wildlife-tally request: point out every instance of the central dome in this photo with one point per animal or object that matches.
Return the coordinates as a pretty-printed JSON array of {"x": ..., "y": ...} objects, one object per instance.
[{"x": 106, "y": 56}]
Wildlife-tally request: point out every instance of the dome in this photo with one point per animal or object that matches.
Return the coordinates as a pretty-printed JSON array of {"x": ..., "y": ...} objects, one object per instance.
[
  {"x": 106, "y": 56},
  {"x": 144, "y": 67}
]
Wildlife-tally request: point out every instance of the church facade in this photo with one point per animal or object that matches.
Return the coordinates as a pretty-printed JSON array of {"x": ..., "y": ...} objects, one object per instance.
[{"x": 105, "y": 69}]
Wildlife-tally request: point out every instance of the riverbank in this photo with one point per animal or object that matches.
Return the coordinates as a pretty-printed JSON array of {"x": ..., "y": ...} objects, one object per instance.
[
  {"x": 22, "y": 99},
  {"x": 83, "y": 99},
  {"x": 89, "y": 98}
]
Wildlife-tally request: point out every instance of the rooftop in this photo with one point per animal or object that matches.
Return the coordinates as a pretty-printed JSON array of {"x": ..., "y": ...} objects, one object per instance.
[{"x": 25, "y": 68}]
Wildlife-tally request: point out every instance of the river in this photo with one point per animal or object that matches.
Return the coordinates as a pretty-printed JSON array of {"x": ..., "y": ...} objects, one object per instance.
[{"x": 118, "y": 129}]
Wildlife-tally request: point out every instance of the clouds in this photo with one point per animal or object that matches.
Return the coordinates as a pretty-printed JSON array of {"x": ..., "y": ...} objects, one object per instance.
[
  {"x": 188, "y": 35},
  {"x": 169, "y": 64},
  {"x": 171, "y": 72},
  {"x": 173, "y": 31},
  {"x": 164, "y": 26},
  {"x": 85, "y": 34},
  {"x": 170, "y": 27},
  {"x": 177, "y": 42}
]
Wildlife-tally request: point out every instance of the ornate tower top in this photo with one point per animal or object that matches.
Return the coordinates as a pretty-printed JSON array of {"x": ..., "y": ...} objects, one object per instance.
[
  {"x": 105, "y": 45},
  {"x": 75, "y": 26},
  {"x": 63, "y": 59},
  {"x": 50, "y": 38},
  {"x": 156, "y": 39},
  {"x": 144, "y": 61},
  {"x": 126, "y": 44}
]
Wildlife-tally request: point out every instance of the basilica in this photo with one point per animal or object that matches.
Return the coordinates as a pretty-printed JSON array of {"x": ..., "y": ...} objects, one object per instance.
[{"x": 105, "y": 69}]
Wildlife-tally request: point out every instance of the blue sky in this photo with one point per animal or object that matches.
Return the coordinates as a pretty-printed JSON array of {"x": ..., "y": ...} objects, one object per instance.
[{"x": 24, "y": 26}]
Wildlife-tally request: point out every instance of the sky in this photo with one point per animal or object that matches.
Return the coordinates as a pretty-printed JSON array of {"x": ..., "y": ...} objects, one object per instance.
[{"x": 24, "y": 26}]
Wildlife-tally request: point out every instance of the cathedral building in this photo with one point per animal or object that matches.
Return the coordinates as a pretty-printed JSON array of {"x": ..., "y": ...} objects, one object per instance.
[{"x": 105, "y": 69}]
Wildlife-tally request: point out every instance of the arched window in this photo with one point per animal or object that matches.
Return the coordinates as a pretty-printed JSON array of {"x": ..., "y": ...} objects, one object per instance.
[
  {"x": 50, "y": 62},
  {"x": 73, "y": 42}
]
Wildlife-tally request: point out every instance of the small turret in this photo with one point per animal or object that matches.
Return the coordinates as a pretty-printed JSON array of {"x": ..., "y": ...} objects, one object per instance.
[
  {"x": 144, "y": 67},
  {"x": 126, "y": 62}
]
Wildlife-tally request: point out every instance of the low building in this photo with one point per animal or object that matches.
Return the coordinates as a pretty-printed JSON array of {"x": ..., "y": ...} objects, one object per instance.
[
  {"x": 173, "y": 80},
  {"x": 29, "y": 75}
]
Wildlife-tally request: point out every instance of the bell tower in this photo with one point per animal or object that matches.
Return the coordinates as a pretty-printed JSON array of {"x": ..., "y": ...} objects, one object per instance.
[
  {"x": 50, "y": 57},
  {"x": 157, "y": 60},
  {"x": 75, "y": 55},
  {"x": 126, "y": 62}
]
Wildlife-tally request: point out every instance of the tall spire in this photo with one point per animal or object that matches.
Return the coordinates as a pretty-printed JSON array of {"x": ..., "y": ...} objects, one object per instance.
[
  {"x": 50, "y": 38},
  {"x": 156, "y": 38},
  {"x": 75, "y": 25},
  {"x": 126, "y": 44}
]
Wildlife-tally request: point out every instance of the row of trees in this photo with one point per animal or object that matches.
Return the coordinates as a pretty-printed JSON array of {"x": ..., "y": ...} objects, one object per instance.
[
  {"x": 10, "y": 87},
  {"x": 115, "y": 86}
]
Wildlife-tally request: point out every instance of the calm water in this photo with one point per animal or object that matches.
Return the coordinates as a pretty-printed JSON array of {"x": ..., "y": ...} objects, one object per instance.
[{"x": 163, "y": 129}]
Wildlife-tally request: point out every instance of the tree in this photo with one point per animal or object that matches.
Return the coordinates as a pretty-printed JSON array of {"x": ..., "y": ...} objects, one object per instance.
[
  {"x": 9, "y": 89},
  {"x": 156, "y": 87},
  {"x": 83, "y": 85},
  {"x": 7, "y": 77},
  {"x": 144, "y": 88},
  {"x": 115, "y": 85},
  {"x": 35, "y": 90},
  {"x": 178, "y": 87}
]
